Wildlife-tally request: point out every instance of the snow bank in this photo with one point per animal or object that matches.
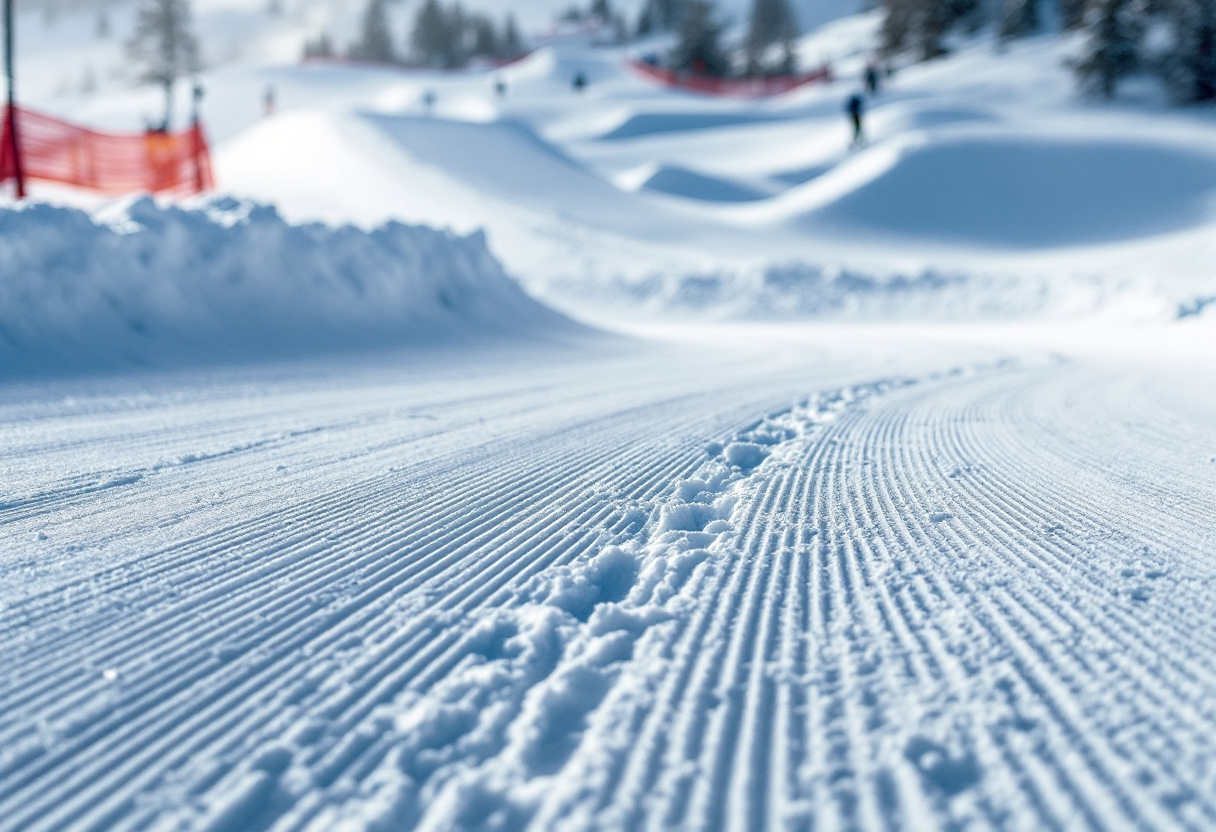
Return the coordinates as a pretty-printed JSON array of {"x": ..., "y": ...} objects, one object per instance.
[{"x": 142, "y": 285}]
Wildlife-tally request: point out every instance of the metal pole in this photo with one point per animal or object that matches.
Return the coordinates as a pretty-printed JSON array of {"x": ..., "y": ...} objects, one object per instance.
[{"x": 10, "y": 75}]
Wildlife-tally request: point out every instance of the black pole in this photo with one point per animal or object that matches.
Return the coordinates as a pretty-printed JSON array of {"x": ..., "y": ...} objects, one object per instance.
[{"x": 11, "y": 75}]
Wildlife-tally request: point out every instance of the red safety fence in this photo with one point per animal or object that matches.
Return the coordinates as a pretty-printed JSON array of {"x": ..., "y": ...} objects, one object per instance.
[
  {"x": 52, "y": 150},
  {"x": 758, "y": 87}
]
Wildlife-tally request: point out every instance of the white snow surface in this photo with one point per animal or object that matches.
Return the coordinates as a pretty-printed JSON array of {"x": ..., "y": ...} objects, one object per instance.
[
  {"x": 146, "y": 286},
  {"x": 854, "y": 577},
  {"x": 311, "y": 520}
]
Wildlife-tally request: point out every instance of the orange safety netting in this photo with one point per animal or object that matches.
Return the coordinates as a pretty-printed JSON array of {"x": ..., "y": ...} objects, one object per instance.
[
  {"x": 758, "y": 87},
  {"x": 53, "y": 150}
]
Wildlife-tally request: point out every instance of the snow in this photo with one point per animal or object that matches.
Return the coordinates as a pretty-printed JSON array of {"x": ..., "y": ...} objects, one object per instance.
[
  {"x": 886, "y": 504},
  {"x": 150, "y": 286}
]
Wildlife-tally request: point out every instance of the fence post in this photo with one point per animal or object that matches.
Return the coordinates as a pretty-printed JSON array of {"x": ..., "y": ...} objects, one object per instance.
[
  {"x": 196, "y": 137},
  {"x": 10, "y": 127}
]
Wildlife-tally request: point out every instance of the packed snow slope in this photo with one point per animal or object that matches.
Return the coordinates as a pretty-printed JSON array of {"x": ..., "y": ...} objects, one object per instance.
[
  {"x": 141, "y": 286},
  {"x": 850, "y": 579}
]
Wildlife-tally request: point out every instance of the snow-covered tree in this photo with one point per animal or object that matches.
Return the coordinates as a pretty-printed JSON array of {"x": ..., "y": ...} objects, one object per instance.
[
  {"x": 772, "y": 25},
  {"x": 699, "y": 48},
  {"x": 375, "y": 41},
  {"x": 164, "y": 45},
  {"x": 1190, "y": 67},
  {"x": 1114, "y": 30}
]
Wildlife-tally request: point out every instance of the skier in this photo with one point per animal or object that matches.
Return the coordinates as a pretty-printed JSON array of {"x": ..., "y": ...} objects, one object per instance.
[
  {"x": 580, "y": 81},
  {"x": 500, "y": 87},
  {"x": 268, "y": 101},
  {"x": 855, "y": 107},
  {"x": 872, "y": 78}
]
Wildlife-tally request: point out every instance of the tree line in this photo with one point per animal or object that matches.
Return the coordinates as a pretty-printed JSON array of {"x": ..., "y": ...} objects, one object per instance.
[
  {"x": 441, "y": 36},
  {"x": 1175, "y": 39},
  {"x": 768, "y": 46}
]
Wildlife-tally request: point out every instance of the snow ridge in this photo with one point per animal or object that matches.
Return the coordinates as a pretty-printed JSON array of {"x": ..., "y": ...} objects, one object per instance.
[{"x": 145, "y": 285}]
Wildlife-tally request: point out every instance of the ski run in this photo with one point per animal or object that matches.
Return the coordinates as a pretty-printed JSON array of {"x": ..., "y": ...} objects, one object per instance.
[
  {"x": 496, "y": 455},
  {"x": 927, "y": 584}
]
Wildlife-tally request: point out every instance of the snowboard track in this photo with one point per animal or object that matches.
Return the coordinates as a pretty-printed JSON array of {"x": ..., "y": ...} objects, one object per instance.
[{"x": 980, "y": 599}]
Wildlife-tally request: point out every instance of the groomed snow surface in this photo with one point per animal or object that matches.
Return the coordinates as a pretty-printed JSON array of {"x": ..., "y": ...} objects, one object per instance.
[
  {"x": 336, "y": 528},
  {"x": 844, "y": 579}
]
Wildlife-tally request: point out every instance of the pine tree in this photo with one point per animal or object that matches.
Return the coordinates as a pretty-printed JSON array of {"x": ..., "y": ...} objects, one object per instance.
[
  {"x": 431, "y": 38},
  {"x": 375, "y": 41},
  {"x": 601, "y": 10},
  {"x": 1114, "y": 31},
  {"x": 1072, "y": 14},
  {"x": 661, "y": 15},
  {"x": 485, "y": 41},
  {"x": 922, "y": 25},
  {"x": 459, "y": 36},
  {"x": 1190, "y": 68},
  {"x": 164, "y": 45},
  {"x": 1018, "y": 18},
  {"x": 699, "y": 48},
  {"x": 512, "y": 43},
  {"x": 322, "y": 47},
  {"x": 772, "y": 24}
]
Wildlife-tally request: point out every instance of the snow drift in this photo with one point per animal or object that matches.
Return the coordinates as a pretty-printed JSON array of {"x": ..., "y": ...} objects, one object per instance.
[
  {"x": 1015, "y": 192},
  {"x": 143, "y": 285}
]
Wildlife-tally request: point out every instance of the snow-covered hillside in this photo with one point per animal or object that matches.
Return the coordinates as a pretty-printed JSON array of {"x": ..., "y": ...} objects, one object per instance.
[
  {"x": 984, "y": 169},
  {"x": 314, "y": 519}
]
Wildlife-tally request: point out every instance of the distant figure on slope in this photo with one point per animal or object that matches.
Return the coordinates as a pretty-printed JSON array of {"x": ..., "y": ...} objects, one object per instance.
[
  {"x": 268, "y": 101},
  {"x": 428, "y": 101},
  {"x": 580, "y": 81},
  {"x": 500, "y": 87},
  {"x": 872, "y": 78},
  {"x": 855, "y": 107}
]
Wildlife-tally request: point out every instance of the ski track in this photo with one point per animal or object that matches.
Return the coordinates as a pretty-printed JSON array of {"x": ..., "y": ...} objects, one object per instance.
[{"x": 978, "y": 599}]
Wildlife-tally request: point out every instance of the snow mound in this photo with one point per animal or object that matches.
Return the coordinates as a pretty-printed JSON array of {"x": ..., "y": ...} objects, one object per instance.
[
  {"x": 1002, "y": 191},
  {"x": 689, "y": 184},
  {"x": 639, "y": 125},
  {"x": 144, "y": 285}
]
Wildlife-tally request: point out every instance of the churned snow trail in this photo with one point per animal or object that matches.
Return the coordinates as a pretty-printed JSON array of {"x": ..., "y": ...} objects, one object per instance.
[{"x": 850, "y": 581}]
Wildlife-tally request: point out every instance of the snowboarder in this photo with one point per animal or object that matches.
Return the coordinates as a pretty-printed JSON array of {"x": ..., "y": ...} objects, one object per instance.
[{"x": 855, "y": 107}]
